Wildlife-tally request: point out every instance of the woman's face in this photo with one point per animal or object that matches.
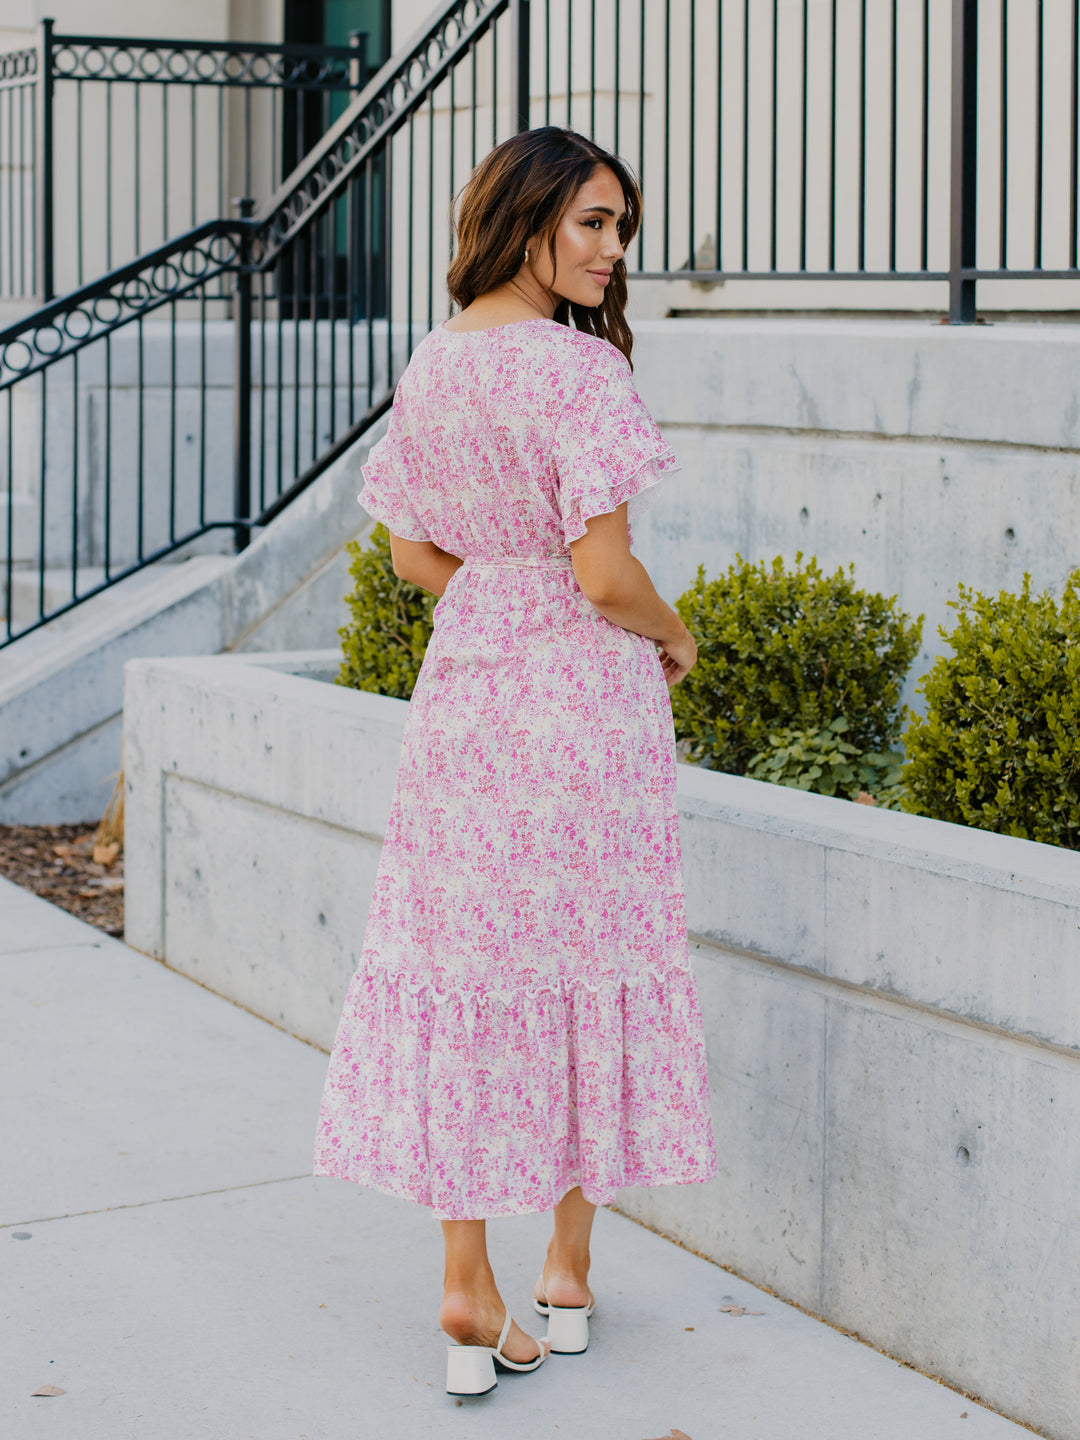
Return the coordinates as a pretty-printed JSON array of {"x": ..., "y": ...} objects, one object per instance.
[{"x": 586, "y": 243}]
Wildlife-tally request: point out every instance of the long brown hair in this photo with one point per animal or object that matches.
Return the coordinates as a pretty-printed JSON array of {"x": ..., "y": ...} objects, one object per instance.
[{"x": 523, "y": 188}]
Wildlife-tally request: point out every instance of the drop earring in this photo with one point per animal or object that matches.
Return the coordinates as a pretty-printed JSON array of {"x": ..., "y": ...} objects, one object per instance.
[{"x": 526, "y": 257}]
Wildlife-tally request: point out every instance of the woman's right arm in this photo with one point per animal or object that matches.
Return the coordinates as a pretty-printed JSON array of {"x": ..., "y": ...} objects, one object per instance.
[{"x": 618, "y": 585}]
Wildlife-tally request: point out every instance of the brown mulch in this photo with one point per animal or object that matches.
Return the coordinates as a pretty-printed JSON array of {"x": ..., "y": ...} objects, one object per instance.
[{"x": 57, "y": 862}]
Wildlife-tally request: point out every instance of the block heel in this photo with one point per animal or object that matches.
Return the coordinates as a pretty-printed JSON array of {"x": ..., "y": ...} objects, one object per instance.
[
  {"x": 470, "y": 1370},
  {"x": 568, "y": 1327},
  {"x": 568, "y": 1330}
]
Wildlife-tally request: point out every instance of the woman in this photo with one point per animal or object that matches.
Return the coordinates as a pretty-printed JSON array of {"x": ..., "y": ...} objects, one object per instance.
[{"x": 523, "y": 1031}]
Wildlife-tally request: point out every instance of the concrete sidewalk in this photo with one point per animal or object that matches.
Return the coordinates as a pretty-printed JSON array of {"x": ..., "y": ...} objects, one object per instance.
[{"x": 170, "y": 1263}]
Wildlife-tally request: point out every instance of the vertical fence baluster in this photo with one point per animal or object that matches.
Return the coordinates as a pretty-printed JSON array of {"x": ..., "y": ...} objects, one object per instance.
[
  {"x": 617, "y": 79},
  {"x": 431, "y": 200},
  {"x": 108, "y": 174},
  {"x": 832, "y": 140},
  {"x": 667, "y": 136},
  {"x": 313, "y": 269},
  {"x": 388, "y": 253},
  {"x": 925, "y": 178},
  {"x": 1074, "y": 124},
  {"x": 692, "y": 261},
  {"x": 165, "y": 164},
  {"x": 9, "y": 557},
  {"x": 192, "y": 131},
  {"x": 412, "y": 209},
  {"x": 202, "y": 406},
  {"x": 79, "y": 183},
  {"x": 331, "y": 310},
  {"x": 140, "y": 433},
  {"x": 775, "y": 128},
  {"x": 172, "y": 422},
  {"x": 242, "y": 379},
  {"x": 641, "y": 128},
  {"x": 74, "y": 475},
  {"x": 136, "y": 169},
  {"x": 965, "y": 74},
  {"x": 570, "y": 64},
  {"x": 592, "y": 68},
  {"x": 718, "y": 263},
  {"x": 547, "y": 61},
  {"x": 520, "y": 76},
  {"x": 350, "y": 289},
  {"x": 862, "y": 136},
  {"x": 746, "y": 139},
  {"x": 493, "y": 32},
  {"x": 803, "y": 133},
  {"x": 44, "y": 129},
  {"x": 369, "y": 230},
  {"x": 106, "y": 547},
  {"x": 892, "y": 142},
  {"x": 1039, "y": 60},
  {"x": 262, "y": 390},
  {"x": 1003, "y": 183},
  {"x": 43, "y": 493}
]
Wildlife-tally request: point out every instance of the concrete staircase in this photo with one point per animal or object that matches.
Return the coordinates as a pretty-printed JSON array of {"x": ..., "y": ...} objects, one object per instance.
[{"x": 61, "y": 687}]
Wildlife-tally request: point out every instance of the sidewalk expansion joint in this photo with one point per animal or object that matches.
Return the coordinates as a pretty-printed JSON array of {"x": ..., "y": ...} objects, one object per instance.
[
  {"x": 162, "y": 1200},
  {"x": 62, "y": 945}
]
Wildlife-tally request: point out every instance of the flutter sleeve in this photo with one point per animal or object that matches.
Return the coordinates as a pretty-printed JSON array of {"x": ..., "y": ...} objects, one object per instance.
[
  {"x": 389, "y": 473},
  {"x": 608, "y": 448}
]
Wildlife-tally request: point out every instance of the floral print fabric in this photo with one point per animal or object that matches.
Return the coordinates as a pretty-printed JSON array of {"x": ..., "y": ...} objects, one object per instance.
[{"x": 524, "y": 1018}]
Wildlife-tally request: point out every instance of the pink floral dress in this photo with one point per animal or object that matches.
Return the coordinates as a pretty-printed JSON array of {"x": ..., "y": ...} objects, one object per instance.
[{"x": 524, "y": 1018}]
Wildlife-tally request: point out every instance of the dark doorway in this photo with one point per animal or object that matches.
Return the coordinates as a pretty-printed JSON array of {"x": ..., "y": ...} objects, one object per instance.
[{"x": 339, "y": 267}]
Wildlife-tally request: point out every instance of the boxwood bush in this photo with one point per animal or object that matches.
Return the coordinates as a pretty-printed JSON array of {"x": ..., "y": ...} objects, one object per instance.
[
  {"x": 785, "y": 651},
  {"x": 383, "y": 645},
  {"x": 999, "y": 747}
]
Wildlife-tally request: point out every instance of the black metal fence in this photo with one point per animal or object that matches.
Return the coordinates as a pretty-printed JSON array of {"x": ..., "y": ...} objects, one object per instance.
[
  {"x": 113, "y": 145},
  {"x": 141, "y": 416}
]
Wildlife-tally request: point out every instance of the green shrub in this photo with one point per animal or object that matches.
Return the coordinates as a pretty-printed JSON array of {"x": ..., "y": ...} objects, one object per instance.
[
  {"x": 823, "y": 761},
  {"x": 1000, "y": 745},
  {"x": 798, "y": 650},
  {"x": 391, "y": 625}
]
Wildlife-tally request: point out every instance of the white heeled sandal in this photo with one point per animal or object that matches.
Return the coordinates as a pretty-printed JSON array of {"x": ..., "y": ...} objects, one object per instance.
[
  {"x": 568, "y": 1326},
  {"x": 470, "y": 1369}
]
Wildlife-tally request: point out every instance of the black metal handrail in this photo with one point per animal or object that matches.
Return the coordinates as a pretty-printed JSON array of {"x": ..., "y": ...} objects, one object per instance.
[
  {"x": 191, "y": 394},
  {"x": 122, "y": 137}
]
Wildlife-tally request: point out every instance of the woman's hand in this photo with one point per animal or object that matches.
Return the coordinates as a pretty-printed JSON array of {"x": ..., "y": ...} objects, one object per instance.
[{"x": 677, "y": 657}]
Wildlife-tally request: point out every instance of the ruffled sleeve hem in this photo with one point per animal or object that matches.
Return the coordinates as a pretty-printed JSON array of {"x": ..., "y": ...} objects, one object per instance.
[
  {"x": 384, "y": 493},
  {"x": 620, "y": 478},
  {"x": 608, "y": 448}
]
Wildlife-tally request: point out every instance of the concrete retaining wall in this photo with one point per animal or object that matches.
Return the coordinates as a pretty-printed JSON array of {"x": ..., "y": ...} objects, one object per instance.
[
  {"x": 892, "y": 1008},
  {"x": 924, "y": 454}
]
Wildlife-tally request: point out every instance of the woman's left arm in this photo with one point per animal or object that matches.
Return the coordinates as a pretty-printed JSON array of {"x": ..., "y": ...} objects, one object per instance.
[{"x": 422, "y": 563}]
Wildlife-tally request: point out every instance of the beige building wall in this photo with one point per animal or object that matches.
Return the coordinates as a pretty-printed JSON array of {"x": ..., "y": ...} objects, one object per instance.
[{"x": 664, "y": 161}]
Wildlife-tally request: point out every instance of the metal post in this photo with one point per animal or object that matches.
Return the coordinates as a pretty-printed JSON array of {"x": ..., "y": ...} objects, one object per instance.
[
  {"x": 44, "y": 161},
  {"x": 965, "y": 75},
  {"x": 358, "y": 68},
  {"x": 519, "y": 66},
  {"x": 242, "y": 383}
]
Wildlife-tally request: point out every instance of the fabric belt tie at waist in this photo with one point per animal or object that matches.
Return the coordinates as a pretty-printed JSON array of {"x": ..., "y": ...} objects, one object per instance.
[{"x": 527, "y": 562}]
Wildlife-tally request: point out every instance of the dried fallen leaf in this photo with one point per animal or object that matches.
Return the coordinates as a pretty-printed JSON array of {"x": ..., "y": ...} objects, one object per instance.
[
  {"x": 106, "y": 854},
  {"x": 862, "y": 798},
  {"x": 740, "y": 1310},
  {"x": 675, "y": 1435},
  {"x": 963, "y": 1414},
  {"x": 49, "y": 1390}
]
